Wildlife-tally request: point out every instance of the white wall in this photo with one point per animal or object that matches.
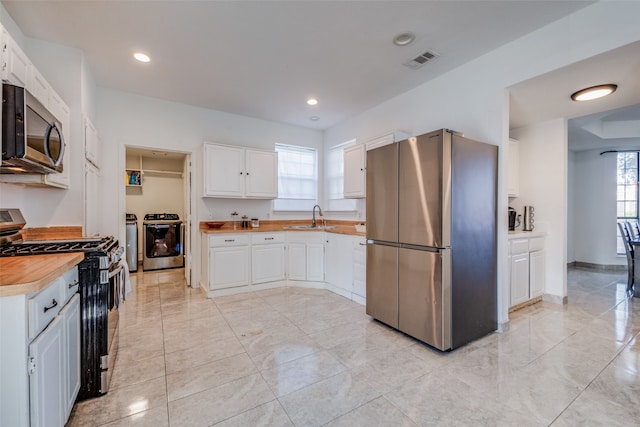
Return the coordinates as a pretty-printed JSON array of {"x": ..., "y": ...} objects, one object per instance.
[
  {"x": 571, "y": 209},
  {"x": 594, "y": 213},
  {"x": 543, "y": 185}
]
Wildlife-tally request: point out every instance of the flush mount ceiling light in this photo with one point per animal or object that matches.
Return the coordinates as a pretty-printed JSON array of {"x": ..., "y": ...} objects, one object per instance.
[
  {"x": 312, "y": 101},
  {"x": 594, "y": 92},
  {"x": 404, "y": 39},
  {"x": 141, "y": 57},
  {"x": 314, "y": 118}
]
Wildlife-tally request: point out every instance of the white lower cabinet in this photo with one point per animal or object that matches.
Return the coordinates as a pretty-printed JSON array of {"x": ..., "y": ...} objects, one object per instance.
[
  {"x": 526, "y": 269},
  {"x": 359, "y": 269},
  {"x": 339, "y": 264},
  {"x": 40, "y": 354},
  {"x": 228, "y": 261},
  {"x": 306, "y": 256},
  {"x": 267, "y": 257}
]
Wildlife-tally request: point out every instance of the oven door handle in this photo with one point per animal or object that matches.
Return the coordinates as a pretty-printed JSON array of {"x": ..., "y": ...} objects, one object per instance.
[{"x": 114, "y": 272}]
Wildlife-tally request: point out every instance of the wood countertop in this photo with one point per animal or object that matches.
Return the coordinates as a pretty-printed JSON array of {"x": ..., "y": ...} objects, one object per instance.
[
  {"x": 21, "y": 275},
  {"x": 271, "y": 226}
]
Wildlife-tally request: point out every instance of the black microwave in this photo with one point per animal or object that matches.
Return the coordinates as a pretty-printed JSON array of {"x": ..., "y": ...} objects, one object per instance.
[{"x": 32, "y": 139}]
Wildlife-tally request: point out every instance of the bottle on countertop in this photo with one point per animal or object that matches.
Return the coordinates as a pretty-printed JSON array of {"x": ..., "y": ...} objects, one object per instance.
[{"x": 245, "y": 221}]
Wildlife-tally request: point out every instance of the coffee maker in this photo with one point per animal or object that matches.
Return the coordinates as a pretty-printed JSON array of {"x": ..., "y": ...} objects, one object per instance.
[{"x": 514, "y": 219}]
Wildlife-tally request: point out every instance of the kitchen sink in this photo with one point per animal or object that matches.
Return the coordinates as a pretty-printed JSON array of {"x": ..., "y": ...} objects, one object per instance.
[{"x": 309, "y": 227}]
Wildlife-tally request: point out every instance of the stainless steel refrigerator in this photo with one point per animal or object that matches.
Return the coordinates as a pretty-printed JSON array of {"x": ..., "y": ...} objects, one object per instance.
[{"x": 431, "y": 238}]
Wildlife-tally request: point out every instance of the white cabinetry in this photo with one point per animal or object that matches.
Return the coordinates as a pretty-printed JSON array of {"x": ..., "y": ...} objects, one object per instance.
[
  {"x": 513, "y": 169},
  {"x": 91, "y": 200},
  {"x": 228, "y": 261},
  {"x": 38, "y": 86},
  {"x": 91, "y": 143},
  {"x": 306, "y": 256},
  {"x": 40, "y": 354},
  {"x": 339, "y": 264},
  {"x": 359, "y": 269},
  {"x": 354, "y": 171},
  {"x": 236, "y": 172},
  {"x": 267, "y": 257},
  {"x": 526, "y": 269},
  {"x": 15, "y": 63}
]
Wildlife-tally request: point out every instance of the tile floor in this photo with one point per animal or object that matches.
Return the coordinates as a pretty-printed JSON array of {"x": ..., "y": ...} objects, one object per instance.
[{"x": 306, "y": 357}]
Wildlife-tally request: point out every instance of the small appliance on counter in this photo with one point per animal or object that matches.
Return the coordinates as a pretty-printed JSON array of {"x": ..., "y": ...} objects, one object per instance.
[
  {"x": 514, "y": 219},
  {"x": 528, "y": 218}
]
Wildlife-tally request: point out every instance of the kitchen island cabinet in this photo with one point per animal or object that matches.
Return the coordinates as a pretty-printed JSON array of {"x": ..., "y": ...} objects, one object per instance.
[{"x": 40, "y": 352}]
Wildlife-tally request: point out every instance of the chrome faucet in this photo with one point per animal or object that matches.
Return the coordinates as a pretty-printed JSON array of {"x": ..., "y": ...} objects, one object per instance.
[{"x": 313, "y": 214}]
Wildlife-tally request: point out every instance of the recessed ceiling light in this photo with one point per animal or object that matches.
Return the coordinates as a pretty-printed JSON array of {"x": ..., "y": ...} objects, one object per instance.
[
  {"x": 141, "y": 57},
  {"x": 312, "y": 101},
  {"x": 404, "y": 39},
  {"x": 314, "y": 118},
  {"x": 594, "y": 92}
]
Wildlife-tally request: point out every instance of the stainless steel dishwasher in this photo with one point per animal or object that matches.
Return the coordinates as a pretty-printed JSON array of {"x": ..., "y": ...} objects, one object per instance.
[{"x": 132, "y": 242}]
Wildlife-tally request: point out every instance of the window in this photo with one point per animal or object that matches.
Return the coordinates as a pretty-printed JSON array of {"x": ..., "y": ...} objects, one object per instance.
[
  {"x": 297, "y": 178},
  {"x": 335, "y": 179},
  {"x": 627, "y": 190}
]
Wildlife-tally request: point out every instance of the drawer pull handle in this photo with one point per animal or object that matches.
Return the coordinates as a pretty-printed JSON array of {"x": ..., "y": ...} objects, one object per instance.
[
  {"x": 229, "y": 240},
  {"x": 54, "y": 303},
  {"x": 268, "y": 238},
  {"x": 362, "y": 244},
  {"x": 74, "y": 284}
]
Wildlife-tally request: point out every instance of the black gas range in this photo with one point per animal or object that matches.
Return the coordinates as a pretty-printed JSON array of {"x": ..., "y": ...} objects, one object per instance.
[{"x": 100, "y": 275}]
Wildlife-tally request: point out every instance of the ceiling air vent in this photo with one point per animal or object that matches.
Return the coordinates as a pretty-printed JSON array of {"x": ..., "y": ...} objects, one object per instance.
[{"x": 422, "y": 59}]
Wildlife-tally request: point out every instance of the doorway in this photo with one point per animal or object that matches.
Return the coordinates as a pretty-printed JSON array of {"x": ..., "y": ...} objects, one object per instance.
[{"x": 158, "y": 189}]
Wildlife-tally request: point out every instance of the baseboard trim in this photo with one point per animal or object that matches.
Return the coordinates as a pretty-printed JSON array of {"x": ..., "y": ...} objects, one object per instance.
[
  {"x": 598, "y": 267},
  {"x": 555, "y": 299}
]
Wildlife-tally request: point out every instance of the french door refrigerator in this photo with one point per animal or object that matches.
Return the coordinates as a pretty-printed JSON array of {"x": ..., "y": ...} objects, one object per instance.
[{"x": 431, "y": 238}]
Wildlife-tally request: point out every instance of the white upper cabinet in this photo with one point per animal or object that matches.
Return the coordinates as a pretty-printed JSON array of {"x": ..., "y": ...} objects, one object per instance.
[
  {"x": 15, "y": 63},
  {"x": 91, "y": 143},
  {"x": 354, "y": 171},
  {"x": 38, "y": 86},
  {"x": 236, "y": 172},
  {"x": 513, "y": 167}
]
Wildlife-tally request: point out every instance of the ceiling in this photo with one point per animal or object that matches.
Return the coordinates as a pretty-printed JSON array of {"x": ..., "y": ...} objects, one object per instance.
[
  {"x": 608, "y": 123},
  {"x": 263, "y": 59}
]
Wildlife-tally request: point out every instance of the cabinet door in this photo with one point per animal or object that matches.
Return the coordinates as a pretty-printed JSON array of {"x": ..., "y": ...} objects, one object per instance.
[
  {"x": 71, "y": 351},
  {"x": 46, "y": 381},
  {"x": 224, "y": 171},
  {"x": 339, "y": 262},
  {"x": 38, "y": 86},
  {"x": 228, "y": 267},
  {"x": 91, "y": 143},
  {"x": 16, "y": 68},
  {"x": 261, "y": 174},
  {"x": 536, "y": 273},
  {"x": 91, "y": 200},
  {"x": 315, "y": 262},
  {"x": 297, "y": 261},
  {"x": 267, "y": 263},
  {"x": 513, "y": 168},
  {"x": 519, "y": 278},
  {"x": 360, "y": 266},
  {"x": 354, "y": 172}
]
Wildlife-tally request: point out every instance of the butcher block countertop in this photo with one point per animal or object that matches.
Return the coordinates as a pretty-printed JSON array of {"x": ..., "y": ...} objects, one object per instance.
[
  {"x": 271, "y": 226},
  {"x": 21, "y": 275}
]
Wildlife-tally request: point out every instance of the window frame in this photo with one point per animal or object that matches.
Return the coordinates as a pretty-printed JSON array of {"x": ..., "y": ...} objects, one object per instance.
[{"x": 296, "y": 204}]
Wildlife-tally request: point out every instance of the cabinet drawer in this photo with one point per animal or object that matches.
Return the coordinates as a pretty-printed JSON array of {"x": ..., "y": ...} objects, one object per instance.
[
  {"x": 69, "y": 284},
  {"x": 44, "y": 306},
  {"x": 536, "y": 244},
  {"x": 519, "y": 246},
  {"x": 228, "y": 240},
  {"x": 267, "y": 238}
]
